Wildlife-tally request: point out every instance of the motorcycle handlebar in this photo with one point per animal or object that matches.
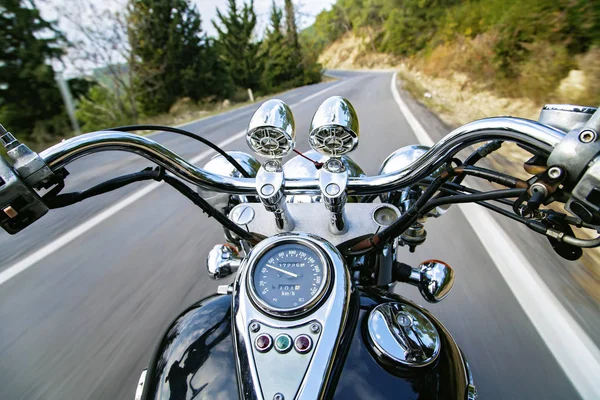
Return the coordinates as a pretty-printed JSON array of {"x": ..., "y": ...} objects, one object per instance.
[{"x": 529, "y": 133}]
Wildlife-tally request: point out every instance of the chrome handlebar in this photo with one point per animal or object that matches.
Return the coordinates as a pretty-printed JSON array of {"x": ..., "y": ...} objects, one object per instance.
[{"x": 525, "y": 132}]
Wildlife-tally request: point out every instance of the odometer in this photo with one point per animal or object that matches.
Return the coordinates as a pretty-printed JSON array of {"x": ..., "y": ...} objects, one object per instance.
[{"x": 289, "y": 277}]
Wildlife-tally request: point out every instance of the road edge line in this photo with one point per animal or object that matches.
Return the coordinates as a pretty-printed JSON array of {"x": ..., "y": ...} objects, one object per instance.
[{"x": 570, "y": 345}]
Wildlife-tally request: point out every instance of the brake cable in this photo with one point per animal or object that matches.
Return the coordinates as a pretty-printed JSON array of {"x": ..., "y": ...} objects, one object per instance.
[{"x": 232, "y": 161}]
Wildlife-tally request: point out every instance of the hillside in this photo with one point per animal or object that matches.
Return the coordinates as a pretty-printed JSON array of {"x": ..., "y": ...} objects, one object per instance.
[{"x": 542, "y": 50}]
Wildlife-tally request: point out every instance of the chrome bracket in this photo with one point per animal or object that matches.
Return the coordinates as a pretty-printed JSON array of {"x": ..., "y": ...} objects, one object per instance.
[
  {"x": 269, "y": 185},
  {"x": 333, "y": 181}
]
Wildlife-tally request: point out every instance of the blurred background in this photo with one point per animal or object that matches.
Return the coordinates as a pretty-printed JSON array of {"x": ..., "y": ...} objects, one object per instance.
[{"x": 97, "y": 284}]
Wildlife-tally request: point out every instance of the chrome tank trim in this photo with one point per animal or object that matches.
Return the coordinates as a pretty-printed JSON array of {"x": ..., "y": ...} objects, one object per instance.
[
  {"x": 331, "y": 314},
  {"x": 522, "y": 131}
]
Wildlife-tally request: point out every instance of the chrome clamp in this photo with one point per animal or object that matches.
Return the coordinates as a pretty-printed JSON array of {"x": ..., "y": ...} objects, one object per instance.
[
  {"x": 333, "y": 181},
  {"x": 269, "y": 185}
]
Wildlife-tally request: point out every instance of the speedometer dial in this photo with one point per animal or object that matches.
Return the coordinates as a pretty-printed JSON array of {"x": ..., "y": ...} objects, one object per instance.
[{"x": 289, "y": 277}]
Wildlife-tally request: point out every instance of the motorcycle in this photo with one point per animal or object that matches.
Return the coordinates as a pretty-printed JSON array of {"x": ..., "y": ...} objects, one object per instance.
[{"x": 314, "y": 246}]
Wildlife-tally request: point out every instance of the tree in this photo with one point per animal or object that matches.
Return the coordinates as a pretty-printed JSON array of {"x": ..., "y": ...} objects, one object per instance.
[
  {"x": 290, "y": 23},
  {"x": 102, "y": 53},
  {"x": 276, "y": 53},
  {"x": 168, "y": 43},
  {"x": 237, "y": 47},
  {"x": 29, "y": 96},
  {"x": 295, "y": 59}
]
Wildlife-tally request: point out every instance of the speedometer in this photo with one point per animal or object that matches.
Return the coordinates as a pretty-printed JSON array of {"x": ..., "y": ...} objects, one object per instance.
[{"x": 289, "y": 278}]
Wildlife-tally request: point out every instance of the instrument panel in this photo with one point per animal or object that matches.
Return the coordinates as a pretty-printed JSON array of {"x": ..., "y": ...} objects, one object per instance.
[{"x": 289, "y": 278}]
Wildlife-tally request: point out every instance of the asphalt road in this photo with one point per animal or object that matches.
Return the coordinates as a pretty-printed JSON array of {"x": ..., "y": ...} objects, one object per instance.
[{"x": 83, "y": 321}]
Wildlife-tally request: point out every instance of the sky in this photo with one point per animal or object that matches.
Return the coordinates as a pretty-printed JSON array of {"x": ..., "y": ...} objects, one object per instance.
[{"x": 307, "y": 9}]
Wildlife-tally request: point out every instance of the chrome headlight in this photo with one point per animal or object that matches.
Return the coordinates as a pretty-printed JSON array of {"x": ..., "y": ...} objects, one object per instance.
[
  {"x": 272, "y": 131},
  {"x": 398, "y": 160},
  {"x": 334, "y": 128},
  {"x": 219, "y": 165}
]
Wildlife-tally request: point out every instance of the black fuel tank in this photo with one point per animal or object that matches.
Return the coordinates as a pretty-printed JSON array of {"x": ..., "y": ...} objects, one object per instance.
[{"x": 195, "y": 359}]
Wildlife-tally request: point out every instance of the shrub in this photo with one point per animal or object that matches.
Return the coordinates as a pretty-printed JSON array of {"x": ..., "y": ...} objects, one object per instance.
[
  {"x": 539, "y": 76},
  {"x": 102, "y": 108}
]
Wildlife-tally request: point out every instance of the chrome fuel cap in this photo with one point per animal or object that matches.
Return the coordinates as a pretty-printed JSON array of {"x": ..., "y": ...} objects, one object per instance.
[{"x": 401, "y": 334}]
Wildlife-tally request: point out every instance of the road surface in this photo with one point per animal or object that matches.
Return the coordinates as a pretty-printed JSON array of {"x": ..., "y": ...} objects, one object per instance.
[{"x": 82, "y": 322}]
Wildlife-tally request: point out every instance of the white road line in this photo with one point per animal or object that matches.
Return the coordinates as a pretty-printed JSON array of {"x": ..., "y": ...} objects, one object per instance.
[
  {"x": 312, "y": 96},
  {"x": 63, "y": 240},
  {"x": 74, "y": 233},
  {"x": 572, "y": 348}
]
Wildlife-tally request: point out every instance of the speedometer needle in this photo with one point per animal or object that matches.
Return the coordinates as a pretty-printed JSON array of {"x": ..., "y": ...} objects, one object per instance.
[{"x": 283, "y": 271}]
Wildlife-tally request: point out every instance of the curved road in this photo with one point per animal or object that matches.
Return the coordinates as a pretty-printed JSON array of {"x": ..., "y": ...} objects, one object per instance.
[{"x": 81, "y": 322}]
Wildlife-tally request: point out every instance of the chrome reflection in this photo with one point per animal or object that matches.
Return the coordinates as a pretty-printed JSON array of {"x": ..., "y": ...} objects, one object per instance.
[
  {"x": 272, "y": 131},
  {"x": 565, "y": 116},
  {"x": 220, "y": 166},
  {"x": 334, "y": 129},
  {"x": 398, "y": 161},
  {"x": 301, "y": 168},
  {"x": 436, "y": 280},
  {"x": 529, "y": 133},
  {"x": 401, "y": 334},
  {"x": 221, "y": 262}
]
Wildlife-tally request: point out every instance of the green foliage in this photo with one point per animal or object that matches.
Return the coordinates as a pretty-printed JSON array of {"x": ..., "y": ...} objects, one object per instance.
[
  {"x": 174, "y": 57},
  {"x": 286, "y": 62},
  {"x": 165, "y": 59},
  {"x": 238, "y": 50},
  {"x": 102, "y": 108},
  {"x": 275, "y": 54},
  {"x": 29, "y": 97},
  {"x": 520, "y": 47}
]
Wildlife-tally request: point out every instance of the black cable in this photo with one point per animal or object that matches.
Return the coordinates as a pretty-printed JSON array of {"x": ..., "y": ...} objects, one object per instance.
[
  {"x": 66, "y": 199},
  {"x": 489, "y": 206},
  {"x": 132, "y": 128},
  {"x": 471, "y": 198},
  {"x": 402, "y": 223},
  {"x": 208, "y": 209},
  {"x": 158, "y": 174},
  {"x": 455, "y": 188},
  {"x": 478, "y": 155}
]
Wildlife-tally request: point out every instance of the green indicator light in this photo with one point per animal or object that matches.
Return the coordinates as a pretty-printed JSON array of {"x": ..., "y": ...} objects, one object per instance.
[{"x": 283, "y": 343}]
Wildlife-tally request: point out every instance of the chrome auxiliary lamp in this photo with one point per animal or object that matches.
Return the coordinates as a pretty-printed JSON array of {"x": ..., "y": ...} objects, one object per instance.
[
  {"x": 334, "y": 132},
  {"x": 271, "y": 133}
]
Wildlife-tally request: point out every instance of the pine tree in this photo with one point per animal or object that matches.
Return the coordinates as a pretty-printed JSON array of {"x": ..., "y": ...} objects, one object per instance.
[
  {"x": 276, "y": 54},
  {"x": 290, "y": 23},
  {"x": 166, "y": 37},
  {"x": 295, "y": 66},
  {"x": 237, "y": 47},
  {"x": 28, "y": 92}
]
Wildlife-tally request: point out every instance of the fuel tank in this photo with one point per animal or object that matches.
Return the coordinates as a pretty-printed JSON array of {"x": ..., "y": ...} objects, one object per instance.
[{"x": 195, "y": 359}]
